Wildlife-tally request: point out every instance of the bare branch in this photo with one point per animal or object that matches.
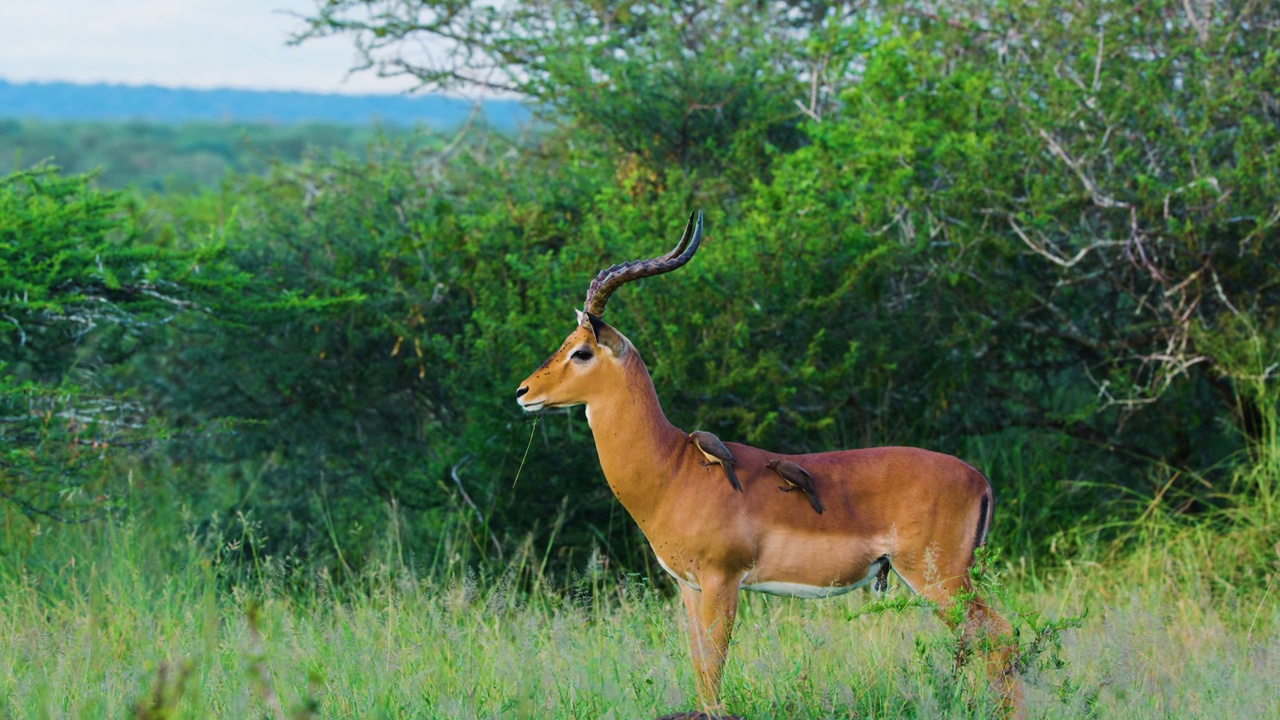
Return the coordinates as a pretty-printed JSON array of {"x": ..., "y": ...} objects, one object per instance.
[
  {"x": 1099, "y": 199},
  {"x": 1097, "y": 63},
  {"x": 453, "y": 473},
  {"x": 31, "y": 510},
  {"x": 1201, "y": 25},
  {"x": 1055, "y": 259},
  {"x": 22, "y": 335},
  {"x": 808, "y": 111}
]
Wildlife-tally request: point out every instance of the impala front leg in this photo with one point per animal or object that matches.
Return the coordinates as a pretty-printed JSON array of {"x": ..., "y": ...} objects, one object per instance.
[{"x": 711, "y": 613}]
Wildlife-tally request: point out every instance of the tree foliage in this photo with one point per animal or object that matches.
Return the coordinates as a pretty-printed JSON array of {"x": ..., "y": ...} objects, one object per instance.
[
  {"x": 999, "y": 218},
  {"x": 1038, "y": 236},
  {"x": 72, "y": 265},
  {"x": 700, "y": 85}
]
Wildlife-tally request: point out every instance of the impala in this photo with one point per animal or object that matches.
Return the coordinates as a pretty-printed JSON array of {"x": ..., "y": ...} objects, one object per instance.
[{"x": 917, "y": 512}]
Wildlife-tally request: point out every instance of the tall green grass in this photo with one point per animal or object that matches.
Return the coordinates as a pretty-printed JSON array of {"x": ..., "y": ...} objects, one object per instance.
[{"x": 149, "y": 616}]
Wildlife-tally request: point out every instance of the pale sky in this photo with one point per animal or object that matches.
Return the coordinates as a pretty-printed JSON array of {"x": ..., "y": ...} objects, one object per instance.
[{"x": 176, "y": 43}]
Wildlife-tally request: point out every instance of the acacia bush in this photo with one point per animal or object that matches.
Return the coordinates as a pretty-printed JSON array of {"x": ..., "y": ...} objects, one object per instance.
[{"x": 79, "y": 289}]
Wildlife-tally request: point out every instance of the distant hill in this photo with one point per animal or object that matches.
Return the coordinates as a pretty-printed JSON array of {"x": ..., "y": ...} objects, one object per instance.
[
  {"x": 69, "y": 101},
  {"x": 187, "y": 156}
]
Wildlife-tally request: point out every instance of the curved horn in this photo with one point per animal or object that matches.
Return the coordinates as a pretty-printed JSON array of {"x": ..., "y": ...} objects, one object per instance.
[{"x": 614, "y": 277}]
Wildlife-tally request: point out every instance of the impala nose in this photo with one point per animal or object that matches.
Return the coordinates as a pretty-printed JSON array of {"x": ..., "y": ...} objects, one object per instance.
[{"x": 522, "y": 391}]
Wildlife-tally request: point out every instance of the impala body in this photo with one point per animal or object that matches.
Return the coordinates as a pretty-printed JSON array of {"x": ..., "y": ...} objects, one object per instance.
[{"x": 920, "y": 512}]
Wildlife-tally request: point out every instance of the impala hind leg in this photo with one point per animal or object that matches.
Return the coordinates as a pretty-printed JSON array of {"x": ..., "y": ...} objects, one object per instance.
[
  {"x": 980, "y": 625},
  {"x": 711, "y": 613}
]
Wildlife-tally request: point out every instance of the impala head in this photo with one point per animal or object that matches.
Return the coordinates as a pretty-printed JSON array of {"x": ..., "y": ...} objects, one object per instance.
[{"x": 594, "y": 355}]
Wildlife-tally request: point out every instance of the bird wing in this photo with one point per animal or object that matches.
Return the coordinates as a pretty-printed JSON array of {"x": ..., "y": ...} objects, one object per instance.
[
  {"x": 798, "y": 475},
  {"x": 711, "y": 446}
]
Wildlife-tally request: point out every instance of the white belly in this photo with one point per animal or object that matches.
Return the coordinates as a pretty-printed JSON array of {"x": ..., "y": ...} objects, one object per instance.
[
  {"x": 784, "y": 589},
  {"x": 798, "y": 590},
  {"x": 688, "y": 580},
  {"x": 808, "y": 592}
]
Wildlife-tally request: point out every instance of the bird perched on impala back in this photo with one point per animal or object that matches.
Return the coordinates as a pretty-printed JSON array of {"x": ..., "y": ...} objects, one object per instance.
[
  {"x": 716, "y": 454},
  {"x": 797, "y": 479}
]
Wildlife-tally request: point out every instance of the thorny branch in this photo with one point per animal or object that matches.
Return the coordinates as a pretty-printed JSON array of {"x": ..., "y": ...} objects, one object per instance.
[{"x": 1177, "y": 300}]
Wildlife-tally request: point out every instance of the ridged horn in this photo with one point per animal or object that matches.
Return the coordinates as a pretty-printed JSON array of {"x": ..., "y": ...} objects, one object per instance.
[{"x": 614, "y": 277}]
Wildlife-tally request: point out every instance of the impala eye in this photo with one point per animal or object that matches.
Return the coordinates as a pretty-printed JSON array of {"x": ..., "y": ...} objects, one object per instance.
[{"x": 582, "y": 355}]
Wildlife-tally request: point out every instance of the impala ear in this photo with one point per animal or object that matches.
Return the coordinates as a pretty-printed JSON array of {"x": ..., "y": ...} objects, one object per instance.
[{"x": 606, "y": 335}]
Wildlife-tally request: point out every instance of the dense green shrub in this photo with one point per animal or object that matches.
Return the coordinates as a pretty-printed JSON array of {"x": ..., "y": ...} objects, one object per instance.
[
  {"x": 401, "y": 382},
  {"x": 78, "y": 288},
  {"x": 1016, "y": 226}
]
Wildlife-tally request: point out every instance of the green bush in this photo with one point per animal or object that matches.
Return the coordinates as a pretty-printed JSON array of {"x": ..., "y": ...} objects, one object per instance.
[
  {"x": 1037, "y": 237},
  {"x": 78, "y": 289}
]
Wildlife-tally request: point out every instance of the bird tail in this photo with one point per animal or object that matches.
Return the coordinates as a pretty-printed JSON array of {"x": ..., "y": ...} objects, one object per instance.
[
  {"x": 733, "y": 477},
  {"x": 816, "y": 503}
]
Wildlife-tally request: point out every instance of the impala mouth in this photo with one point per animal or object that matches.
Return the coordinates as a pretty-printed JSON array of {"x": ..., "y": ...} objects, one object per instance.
[{"x": 540, "y": 405}]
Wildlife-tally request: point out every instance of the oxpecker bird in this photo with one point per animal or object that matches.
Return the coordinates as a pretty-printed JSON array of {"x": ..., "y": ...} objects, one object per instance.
[
  {"x": 716, "y": 454},
  {"x": 797, "y": 478}
]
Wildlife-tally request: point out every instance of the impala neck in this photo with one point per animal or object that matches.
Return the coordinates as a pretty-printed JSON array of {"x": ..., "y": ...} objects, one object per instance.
[{"x": 638, "y": 447}]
